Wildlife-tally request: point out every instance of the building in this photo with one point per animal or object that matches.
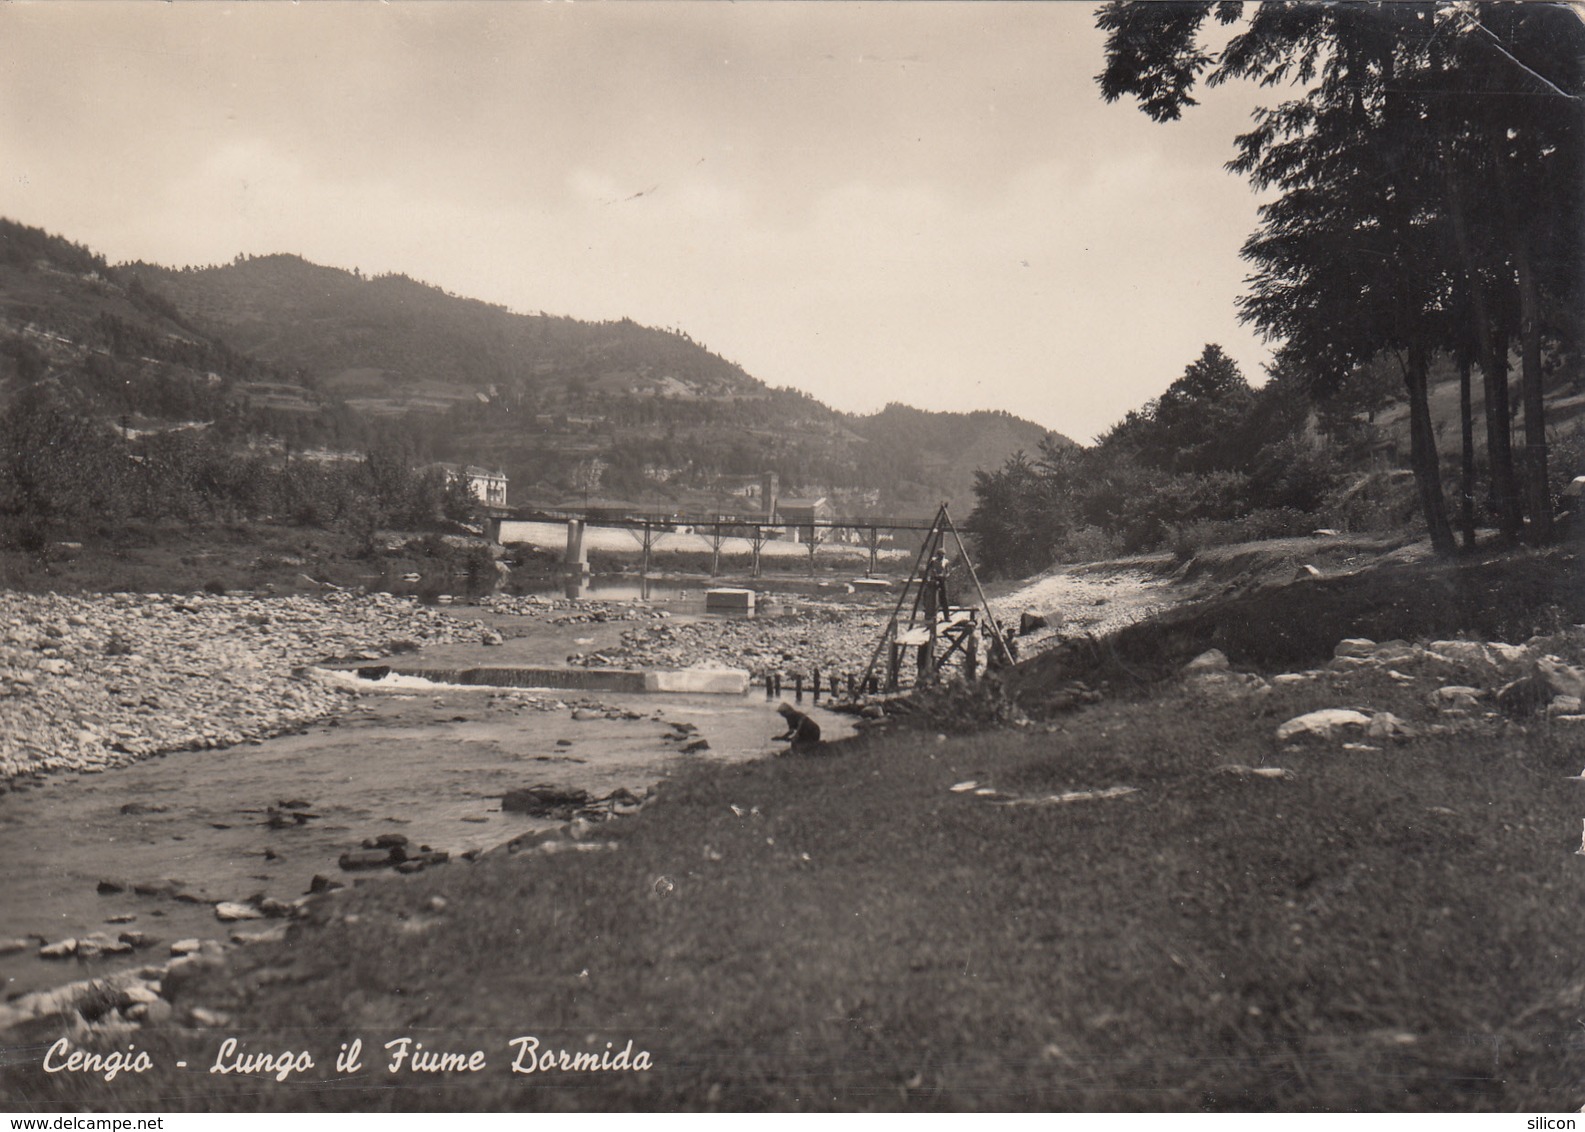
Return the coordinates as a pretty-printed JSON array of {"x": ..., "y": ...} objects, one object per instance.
[
  {"x": 488, "y": 487},
  {"x": 760, "y": 491},
  {"x": 800, "y": 515}
]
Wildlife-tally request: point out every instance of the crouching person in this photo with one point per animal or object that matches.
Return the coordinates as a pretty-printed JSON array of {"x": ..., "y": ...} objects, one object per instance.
[{"x": 803, "y": 731}]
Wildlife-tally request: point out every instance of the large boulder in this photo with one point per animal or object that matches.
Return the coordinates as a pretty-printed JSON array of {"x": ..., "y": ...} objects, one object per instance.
[
  {"x": 1456, "y": 697},
  {"x": 1029, "y": 622},
  {"x": 1459, "y": 652},
  {"x": 1385, "y": 725},
  {"x": 1212, "y": 660},
  {"x": 1322, "y": 724},
  {"x": 1527, "y": 695},
  {"x": 229, "y": 911},
  {"x": 1563, "y": 679}
]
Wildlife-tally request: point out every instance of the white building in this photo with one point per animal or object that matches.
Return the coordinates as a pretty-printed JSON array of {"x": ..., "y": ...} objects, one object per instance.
[{"x": 487, "y": 486}]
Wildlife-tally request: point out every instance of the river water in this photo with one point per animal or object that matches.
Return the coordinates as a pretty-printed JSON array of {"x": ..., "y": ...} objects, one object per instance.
[{"x": 431, "y": 764}]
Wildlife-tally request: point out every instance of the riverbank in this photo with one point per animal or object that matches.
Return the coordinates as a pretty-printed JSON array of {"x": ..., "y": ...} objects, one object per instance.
[
  {"x": 202, "y": 759},
  {"x": 94, "y": 681},
  {"x": 1165, "y": 902},
  {"x": 1169, "y": 899},
  {"x": 89, "y": 682}
]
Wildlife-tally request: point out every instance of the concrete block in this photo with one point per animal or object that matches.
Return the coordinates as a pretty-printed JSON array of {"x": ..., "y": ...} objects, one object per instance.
[
  {"x": 562, "y": 679},
  {"x": 729, "y": 601},
  {"x": 712, "y": 681}
]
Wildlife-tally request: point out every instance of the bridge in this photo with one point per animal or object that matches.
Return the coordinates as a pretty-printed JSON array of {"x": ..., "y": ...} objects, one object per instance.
[{"x": 715, "y": 527}]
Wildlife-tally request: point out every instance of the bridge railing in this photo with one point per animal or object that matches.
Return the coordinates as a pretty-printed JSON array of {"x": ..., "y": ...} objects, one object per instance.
[{"x": 683, "y": 519}]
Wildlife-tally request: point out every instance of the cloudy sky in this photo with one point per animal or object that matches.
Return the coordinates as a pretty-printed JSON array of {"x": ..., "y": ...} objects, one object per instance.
[{"x": 872, "y": 202}]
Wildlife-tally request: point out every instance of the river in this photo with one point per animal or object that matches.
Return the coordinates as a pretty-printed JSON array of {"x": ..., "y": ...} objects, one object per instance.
[{"x": 196, "y": 827}]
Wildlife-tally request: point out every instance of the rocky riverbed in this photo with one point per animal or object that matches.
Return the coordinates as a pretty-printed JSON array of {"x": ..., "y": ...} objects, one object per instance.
[
  {"x": 178, "y": 857},
  {"x": 837, "y": 638},
  {"x": 89, "y": 682},
  {"x": 830, "y": 639}
]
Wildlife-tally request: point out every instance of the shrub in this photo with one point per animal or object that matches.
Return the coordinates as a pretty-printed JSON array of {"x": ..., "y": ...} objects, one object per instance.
[
  {"x": 1188, "y": 540},
  {"x": 430, "y": 546},
  {"x": 1379, "y": 501},
  {"x": 958, "y": 706},
  {"x": 477, "y": 560},
  {"x": 1088, "y": 544}
]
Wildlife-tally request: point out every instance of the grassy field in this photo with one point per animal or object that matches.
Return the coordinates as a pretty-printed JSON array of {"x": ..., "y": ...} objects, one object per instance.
[{"x": 1378, "y": 929}]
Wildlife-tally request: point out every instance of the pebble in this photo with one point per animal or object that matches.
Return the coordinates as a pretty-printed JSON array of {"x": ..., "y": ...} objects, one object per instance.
[
  {"x": 95, "y": 681},
  {"x": 836, "y": 641},
  {"x": 228, "y": 911}
]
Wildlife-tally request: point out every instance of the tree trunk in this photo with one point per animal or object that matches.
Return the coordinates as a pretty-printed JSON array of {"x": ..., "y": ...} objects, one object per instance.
[
  {"x": 1499, "y": 441},
  {"x": 1422, "y": 454},
  {"x": 1494, "y": 379},
  {"x": 1538, "y": 500},
  {"x": 1466, "y": 481}
]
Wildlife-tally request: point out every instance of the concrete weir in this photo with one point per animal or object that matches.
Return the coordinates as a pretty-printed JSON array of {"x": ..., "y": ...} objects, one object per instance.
[{"x": 709, "y": 681}]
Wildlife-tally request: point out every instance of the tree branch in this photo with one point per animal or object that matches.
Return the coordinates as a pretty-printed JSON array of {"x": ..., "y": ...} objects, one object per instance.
[{"x": 1526, "y": 68}]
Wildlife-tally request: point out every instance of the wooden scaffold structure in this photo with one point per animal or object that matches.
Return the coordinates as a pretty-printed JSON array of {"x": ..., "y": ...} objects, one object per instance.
[{"x": 933, "y": 621}]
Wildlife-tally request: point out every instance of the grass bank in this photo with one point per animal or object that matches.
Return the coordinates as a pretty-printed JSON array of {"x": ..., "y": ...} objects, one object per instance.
[{"x": 1380, "y": 929}]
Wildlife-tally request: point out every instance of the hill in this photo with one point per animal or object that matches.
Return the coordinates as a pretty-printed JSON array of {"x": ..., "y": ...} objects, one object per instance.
[
  {"x": 390, "y": 344},
  {"x": 278, "y": 354},
  {"x": 564, "y": 405},
  {"x": 924, "y": 449},
  {"x": 95, "y": 338}
]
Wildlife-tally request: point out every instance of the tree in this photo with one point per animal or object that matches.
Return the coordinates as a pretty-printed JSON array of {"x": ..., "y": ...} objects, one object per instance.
[
  {"x": 56, "y": 465},
  {"x": 1349, "y": 262},
  {"x": 1408, "y": 111},
  {"x": 457, "y": 501},
  {"x": 1199, "y": 420},
  {"x": 1025, "y": 509}
]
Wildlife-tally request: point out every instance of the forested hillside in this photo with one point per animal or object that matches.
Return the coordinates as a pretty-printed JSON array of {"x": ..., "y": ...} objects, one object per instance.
[
  {"x": 566, "y": 406},
  {"x": 273, "y": 387}
]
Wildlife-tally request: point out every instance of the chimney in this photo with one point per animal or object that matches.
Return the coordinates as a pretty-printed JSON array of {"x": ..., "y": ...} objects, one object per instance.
[{"x": 768, "y": 486}]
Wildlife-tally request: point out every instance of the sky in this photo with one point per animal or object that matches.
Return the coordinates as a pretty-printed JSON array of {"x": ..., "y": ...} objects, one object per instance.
[{"x": 871, "y": 202}]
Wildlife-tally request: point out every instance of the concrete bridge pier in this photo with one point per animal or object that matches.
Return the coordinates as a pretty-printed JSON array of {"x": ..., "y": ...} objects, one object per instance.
[{"x": 576, "y": 558}]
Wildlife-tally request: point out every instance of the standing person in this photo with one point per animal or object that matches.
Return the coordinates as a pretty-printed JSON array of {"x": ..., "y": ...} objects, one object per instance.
[
  {"x": 936, "y": 572},
  {"x": 1007, "y": 653}
]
